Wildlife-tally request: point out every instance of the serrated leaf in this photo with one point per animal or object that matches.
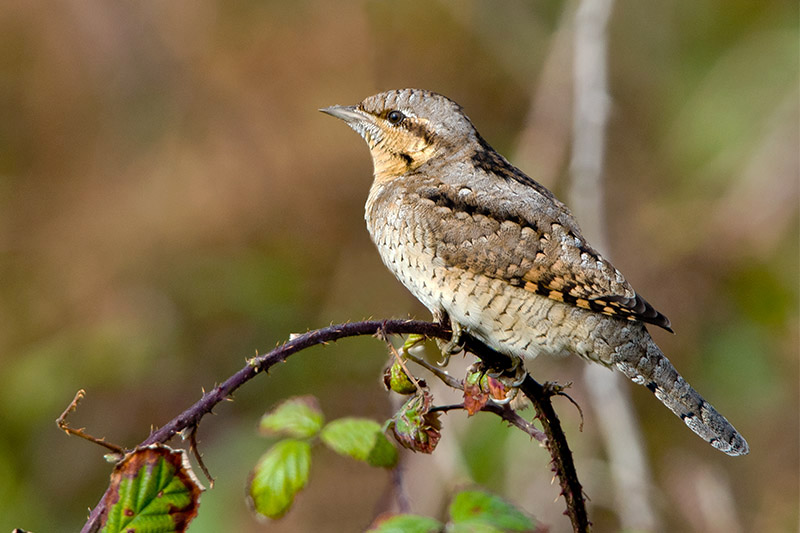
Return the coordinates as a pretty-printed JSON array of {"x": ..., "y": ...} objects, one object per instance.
[
  {"x": 480, "y": 386},
  {"x": 153, "y": 489},
  {"x": 280, "y": 474},
  {"x": 475, "y": 398},
  {"x": 362, "y": 439},
  {"x": 298, "y": 417},
  {"x": 406, "y": 523},
  {"x": 414, "y": 426},
  {"x": 472, "y": 508}
]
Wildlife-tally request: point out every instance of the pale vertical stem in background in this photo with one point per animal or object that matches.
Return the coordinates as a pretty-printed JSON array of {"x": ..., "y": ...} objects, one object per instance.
[
  {"x": 591, "y": 103},
  {"x": 544, "y": 142},
  {"x": 610, "y": 399}
]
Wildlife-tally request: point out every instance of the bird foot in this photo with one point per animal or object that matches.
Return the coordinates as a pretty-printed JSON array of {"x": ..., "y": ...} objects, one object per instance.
[
  {"x": 518, "y": 373},
  {"x": 453, "y": 346}
]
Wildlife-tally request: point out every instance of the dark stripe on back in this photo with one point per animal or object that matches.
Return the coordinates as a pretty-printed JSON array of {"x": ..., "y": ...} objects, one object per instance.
[
  {"x": 488, "y": 160},
  {"x": 458, "y": 204}
]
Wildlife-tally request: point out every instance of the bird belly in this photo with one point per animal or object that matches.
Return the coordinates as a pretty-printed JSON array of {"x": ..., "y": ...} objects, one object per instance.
[{"x": 515, "y": 321}]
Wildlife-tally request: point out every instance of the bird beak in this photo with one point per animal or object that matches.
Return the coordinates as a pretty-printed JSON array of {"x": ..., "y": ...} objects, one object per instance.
[
  {"x": 348, "y": 113},
  {"x": 361, "y": 122}
]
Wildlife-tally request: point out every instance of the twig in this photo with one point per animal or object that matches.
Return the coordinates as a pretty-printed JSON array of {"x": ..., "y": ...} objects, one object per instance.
[
  {"x": 403, "y": 504},
  {"x": 447, "y": 379},
  {"x": 563, "y": 465},
  {"x": 396, "y": 355},
  {"x": 555, "y": 440},
  {"x": 556, "y": 389},
  {"x": 192, "y": 416},
  {"x": 503, "y": 411},
  {"x": 199, "y": 456},
  {"x": 62, "y": 423}
]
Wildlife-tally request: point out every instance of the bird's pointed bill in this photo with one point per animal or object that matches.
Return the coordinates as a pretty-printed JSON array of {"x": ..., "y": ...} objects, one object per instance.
[
  {"x": 348, "y": 113},
  {"x": 361, "y": 122}
]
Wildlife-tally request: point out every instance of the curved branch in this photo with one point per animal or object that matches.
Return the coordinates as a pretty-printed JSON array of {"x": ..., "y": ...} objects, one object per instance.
[
  {"x": 539, "y": 395},
  {"x": 556, "y": 442},
  {"x": 263, "y": 363}
]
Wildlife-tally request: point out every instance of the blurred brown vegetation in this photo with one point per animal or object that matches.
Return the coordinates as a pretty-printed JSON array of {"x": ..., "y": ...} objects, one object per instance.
[{"x": 171, "y": 201}]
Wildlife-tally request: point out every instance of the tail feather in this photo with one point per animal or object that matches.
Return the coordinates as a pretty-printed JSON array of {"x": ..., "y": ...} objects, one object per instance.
[{"x": 654, "y": 371}]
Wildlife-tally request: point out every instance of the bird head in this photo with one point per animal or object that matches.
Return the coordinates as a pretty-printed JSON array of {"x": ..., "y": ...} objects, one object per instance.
[{"x": 406, "y": 128}]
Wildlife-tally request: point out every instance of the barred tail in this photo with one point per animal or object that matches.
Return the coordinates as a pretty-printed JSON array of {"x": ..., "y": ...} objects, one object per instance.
[{"x": 653, "y": 370}]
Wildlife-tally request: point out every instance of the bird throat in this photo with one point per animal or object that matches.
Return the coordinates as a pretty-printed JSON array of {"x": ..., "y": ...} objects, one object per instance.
[{"x": 389, "y": 164}]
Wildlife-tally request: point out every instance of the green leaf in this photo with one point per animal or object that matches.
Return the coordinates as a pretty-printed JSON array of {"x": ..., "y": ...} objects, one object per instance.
[
  {"x": 298, "y": 417},
  {"x": 396, "y": 379},
  {"x": 406, "y": 523},
  {"x": 412, "y": 341},
  {"x": 414, "y": 426},
  {"x": 474, "y": 526},
  {"x": 361, "y": 439},
  {"x": 474, "y": 510},
  {"x": 279, "y": 475},
  {"x": 153, "y": 489}
]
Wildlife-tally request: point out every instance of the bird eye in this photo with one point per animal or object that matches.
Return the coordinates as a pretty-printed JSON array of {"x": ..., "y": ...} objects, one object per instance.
[{"x": 395, "y": 117}]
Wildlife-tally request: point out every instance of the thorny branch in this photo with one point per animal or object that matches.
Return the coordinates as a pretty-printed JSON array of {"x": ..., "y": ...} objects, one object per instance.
[
  {"x": 538, "y": 394},
  {"x": 556, "y": 442},
  {"x": 506, "y": 413}
]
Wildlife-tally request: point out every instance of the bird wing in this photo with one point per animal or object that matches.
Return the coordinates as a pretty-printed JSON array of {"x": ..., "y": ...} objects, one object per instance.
[{"x": 490, "y": 229}]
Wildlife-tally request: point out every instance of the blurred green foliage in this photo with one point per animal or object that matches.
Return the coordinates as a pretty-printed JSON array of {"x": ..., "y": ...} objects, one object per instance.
[{"x": 171, "y": 202}]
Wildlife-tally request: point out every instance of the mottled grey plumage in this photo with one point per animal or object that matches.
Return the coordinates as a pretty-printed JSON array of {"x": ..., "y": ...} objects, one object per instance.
[{"x": 478, "y": 241}]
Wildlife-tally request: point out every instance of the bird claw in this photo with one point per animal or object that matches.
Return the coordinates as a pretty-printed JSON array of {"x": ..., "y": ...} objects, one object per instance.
[
  {"x": 511, "y": 395},
  {"x": 516, "y": 368},
  {"x": 520, "y": 374},
  {"x": 453, "y": 346}
]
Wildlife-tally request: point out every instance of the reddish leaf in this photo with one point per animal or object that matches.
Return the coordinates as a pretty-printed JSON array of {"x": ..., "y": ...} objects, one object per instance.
[
  {"x": 414, "y": 426},
  {"x": 152, "y": 489}
]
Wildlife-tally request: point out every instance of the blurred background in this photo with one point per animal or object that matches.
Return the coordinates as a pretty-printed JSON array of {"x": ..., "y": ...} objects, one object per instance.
[{"x": 171, "y": 202}]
